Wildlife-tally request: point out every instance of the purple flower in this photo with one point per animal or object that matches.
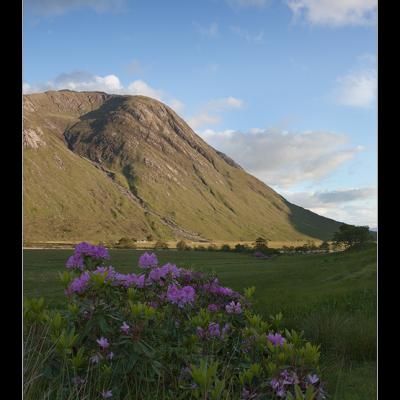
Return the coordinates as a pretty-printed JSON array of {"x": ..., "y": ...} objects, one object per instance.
[
  {"x": 147, "y": 260},
  {"x": 281, "y": 392},
  {"x": 106, "y": 394},
  {"x": 110, "y": 355},
  {"x": 94, "y": 359},
  {"x": 182, "y": 296},
  {"x": 75, "y": 262},
  {"x": 233, "y": 308},
  {"x": 125, "y": 328},
  {"x": 276, "y": 339},
  {"x": 274, "y": 383},
  {"x": 212, "y": 308},
  {"x": 313, "y": 379},
  {"x": 213, "y": 329},
  {"x": 103, "y": 343},
  {"x": 78, "y": 285}
]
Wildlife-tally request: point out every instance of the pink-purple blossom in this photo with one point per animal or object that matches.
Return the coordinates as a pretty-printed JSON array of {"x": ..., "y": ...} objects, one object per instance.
[
  {"x": 233, "y": 308},
  {"x": 276, "y": 339},
  {"x": 85, "y": 250},
  {"x": 181, "y": 296},
  {"x": 79, "y": 284},
  {"x": 125, "y": 328},
  {"x": 103, "y": 343},
  {"x": 148, "y": 260}
]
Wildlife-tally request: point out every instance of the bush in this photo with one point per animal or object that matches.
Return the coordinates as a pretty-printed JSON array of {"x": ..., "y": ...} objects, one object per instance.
[
  {"x": 126, "y": 243},
  {"x": 241, "y": 248},
  {"x": 225, "y": 247},
  {"x": 167, "y": 333},
  {"x": 181, "y": 245},
  {"x": 161, "y": 245}
]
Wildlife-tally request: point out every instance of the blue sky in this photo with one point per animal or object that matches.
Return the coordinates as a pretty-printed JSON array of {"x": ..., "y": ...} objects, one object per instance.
[{"x": 285, "y": 87}]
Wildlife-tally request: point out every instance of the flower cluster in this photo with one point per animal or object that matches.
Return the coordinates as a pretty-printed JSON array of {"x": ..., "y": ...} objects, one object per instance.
[
  {"x": 185, "y": 295},
  {"x": 147, "y": 260},
  {"x": 286, "y": 380},
  {"x": 83, "y": 252},
  {"x": 276, "y": 339},
  {"x": 233, "y": 308}
]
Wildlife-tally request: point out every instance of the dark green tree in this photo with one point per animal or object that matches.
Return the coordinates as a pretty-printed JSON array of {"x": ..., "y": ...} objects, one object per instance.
[
  {"x": 349, "y": 235},
  {"x": 261, "y": 243}
]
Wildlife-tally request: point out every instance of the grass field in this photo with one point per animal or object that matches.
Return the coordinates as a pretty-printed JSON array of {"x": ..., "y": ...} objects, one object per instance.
[{"x": 331, "y": 297}]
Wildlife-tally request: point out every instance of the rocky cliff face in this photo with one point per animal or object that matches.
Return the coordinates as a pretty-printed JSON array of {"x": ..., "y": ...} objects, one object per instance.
[{"x": 171, "y": 183}]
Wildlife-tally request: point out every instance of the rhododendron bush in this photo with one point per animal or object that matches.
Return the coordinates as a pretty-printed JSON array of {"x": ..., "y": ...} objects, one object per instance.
[{"x": 167, "y": 332}]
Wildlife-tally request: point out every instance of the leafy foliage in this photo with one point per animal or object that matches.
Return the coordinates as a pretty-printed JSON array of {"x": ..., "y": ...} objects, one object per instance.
[{"x": 166, "y": 333}]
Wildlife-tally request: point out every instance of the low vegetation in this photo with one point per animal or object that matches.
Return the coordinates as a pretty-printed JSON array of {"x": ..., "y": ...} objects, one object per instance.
[
  {"x": 329, "y": 296},
  {"x": 166, "y": 333}
]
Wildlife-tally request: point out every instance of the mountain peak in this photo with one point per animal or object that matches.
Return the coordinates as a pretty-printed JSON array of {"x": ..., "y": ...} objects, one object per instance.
[{"x": 119, "y": 165}]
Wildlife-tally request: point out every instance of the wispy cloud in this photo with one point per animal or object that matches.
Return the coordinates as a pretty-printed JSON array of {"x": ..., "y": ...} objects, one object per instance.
[
  {"x": 283, "y": 159},
  {"x": 358, "y": 88},
  {"x": 250, "y": 37},
  {"x": 47, "y": 8},
  {"x": 355, "y": 206},
  {"x": 134, "y": 67},
  {"x": 334, "y": 12},
  {"x": 85, "y": 81},
  {"x": 208, "y": 115},
  {"x": 236, "y": 4},
  {"x": 209, "y": 31}
]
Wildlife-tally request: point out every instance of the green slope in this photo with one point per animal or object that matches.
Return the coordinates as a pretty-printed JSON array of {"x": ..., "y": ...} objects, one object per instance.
[{"x": 130, "y": 166}]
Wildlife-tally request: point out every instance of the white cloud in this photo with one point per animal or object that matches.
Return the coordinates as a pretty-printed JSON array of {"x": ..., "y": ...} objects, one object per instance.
[
  {"x": 209, "y": 31},
  {"x": 140, "y": 87},
  {"x": 207, "y": 115},
  {"x": 202, "y": 119},
  {"x": 176, "y": 105},
  {"x": 335, "y": 12},
  {"x": 247, "y": 3},
  {"x": 224, "y": 104},
  {"x": 84, "y": 81},
  {"x": 357, "y": 89},
  {"x": 353, "y": 206},
  {"x": 331, "y": 198},
  {"x": 256, "y": 38},
  {"x": 283, "y": 159},
  {"x": 59, "y": 7},
  {"x": 26, "y": 87}
]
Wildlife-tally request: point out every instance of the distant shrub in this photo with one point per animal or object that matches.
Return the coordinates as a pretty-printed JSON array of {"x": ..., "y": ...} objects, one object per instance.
[
  {"x": 212, "y": 247},
  {"x": 260, "y": 243},
  {"x": 169, "y": 333},
  {"x": 126, "y": 243},
  {"x": 324, "y": 246},
  {"x": 225, "y": 247},
  {"x": 241, "y": 248},
  {"x": 161, "y": 245},
  {"x": 181, "y": 245}
]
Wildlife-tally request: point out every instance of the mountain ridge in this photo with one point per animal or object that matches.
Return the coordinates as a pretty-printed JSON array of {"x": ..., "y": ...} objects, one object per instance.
[{"x": 105, "y": 166}]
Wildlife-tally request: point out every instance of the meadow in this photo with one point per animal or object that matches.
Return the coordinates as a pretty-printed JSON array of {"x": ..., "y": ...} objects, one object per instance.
[{"x": 331, "y": 297}]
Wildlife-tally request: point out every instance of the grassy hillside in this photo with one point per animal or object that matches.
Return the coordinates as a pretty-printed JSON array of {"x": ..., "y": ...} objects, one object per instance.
[
  {"x": 331, "y": 297},
  {"x": 132, "y": 161}
]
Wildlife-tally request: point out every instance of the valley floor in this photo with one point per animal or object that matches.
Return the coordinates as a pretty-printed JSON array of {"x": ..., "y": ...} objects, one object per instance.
[{"x": 331, "y": 297}]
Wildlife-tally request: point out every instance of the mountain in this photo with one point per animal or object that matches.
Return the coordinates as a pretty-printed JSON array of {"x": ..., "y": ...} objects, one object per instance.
[{"x": 101, "y": 167}]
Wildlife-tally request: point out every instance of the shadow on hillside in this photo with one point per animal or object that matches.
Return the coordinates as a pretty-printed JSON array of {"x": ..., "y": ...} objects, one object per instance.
[{"x": 311, "y": 224}]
